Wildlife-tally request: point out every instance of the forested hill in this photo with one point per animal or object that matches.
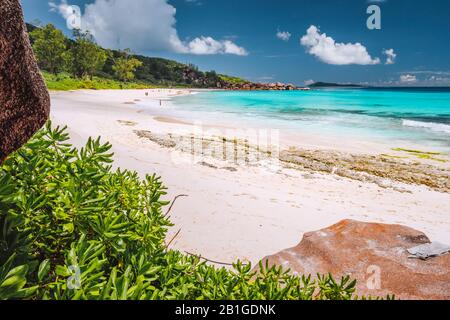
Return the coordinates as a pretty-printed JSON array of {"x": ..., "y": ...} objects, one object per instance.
[{"x": 159, "y": 71}]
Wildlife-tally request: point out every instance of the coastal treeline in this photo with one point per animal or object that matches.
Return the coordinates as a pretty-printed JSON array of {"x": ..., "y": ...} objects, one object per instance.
[{"x": 82, "y": 58}]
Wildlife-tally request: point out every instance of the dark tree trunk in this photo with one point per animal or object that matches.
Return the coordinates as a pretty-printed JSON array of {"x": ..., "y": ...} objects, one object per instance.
[{"x": 24, "y": 99}]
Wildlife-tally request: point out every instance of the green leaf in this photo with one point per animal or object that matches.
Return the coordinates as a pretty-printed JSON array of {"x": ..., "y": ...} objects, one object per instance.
[
  {"x": 43, "y": 270},
  {"x": 68, "y": 227},
  {"x": 62, "y": 271}
]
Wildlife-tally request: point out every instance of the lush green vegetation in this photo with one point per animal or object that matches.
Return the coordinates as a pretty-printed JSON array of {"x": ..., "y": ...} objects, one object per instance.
[
  {"x": 65, "y": 81},
  {"x": 72, "y": 228},
  {"x": 233, "y": 80},
  {"x": 55, "y": 53},
  {"x": 86, "y": 56},
  {"x": 125, "y": 66},
  {"x": 81, "y": 57},
  {"x": 50, "y": 49}
]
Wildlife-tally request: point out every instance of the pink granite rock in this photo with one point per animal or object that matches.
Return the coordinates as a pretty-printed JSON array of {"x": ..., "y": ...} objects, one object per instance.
[
  {"x": 375, "y": 255},
  {"x": 24, "y": 99}
]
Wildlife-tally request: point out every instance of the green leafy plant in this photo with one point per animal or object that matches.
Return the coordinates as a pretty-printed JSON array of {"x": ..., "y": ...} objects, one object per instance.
[{"x": 74, "y": 228}]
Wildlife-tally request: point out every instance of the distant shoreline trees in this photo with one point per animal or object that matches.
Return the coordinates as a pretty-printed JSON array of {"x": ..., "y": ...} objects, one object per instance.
[
  {"x": 50, "y": 48},
  {"x": 83, "y": 58},
  {"x": 87, "y": 56},
  {"x": 125, "y": 66}
]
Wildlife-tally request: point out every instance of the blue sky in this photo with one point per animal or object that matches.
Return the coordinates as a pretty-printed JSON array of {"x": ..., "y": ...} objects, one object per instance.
[{"x": 239, "y": 37}]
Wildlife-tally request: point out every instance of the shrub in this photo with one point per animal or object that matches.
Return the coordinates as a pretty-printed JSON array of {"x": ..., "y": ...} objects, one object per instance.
[
  {"x": 64, "y": 82},
  {"x": 72, "y": 228}
]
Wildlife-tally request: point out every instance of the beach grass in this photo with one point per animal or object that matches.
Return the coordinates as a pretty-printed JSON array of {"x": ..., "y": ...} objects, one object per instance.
[{"x": 64, "y": 82}]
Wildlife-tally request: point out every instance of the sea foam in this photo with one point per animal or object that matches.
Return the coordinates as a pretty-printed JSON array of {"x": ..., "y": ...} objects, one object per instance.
[{"x": 438, "y": 127}]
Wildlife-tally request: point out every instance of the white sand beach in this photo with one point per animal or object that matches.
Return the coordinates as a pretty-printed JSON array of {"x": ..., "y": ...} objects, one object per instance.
[{"x": 241, "y": 211}]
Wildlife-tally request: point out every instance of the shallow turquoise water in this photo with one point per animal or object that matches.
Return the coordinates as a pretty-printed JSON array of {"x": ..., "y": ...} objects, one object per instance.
[{"x": 420, "y": 115}]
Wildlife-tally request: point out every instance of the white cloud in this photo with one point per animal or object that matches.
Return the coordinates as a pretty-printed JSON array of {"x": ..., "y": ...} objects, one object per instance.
[
  {"x": 143, "y": 25},
  {"x": 408, "y": 78},
  {"x": 284, "y": 35},
  {"x": 207, "y": 45},
  {"x": 327, "y": 50},
  {"x": 438, "y": 80},
  {"x": 231, "y": 48},
  {"x": 63, "y": 8},
  {"x": 429, "y": 72},
  {"x": 309, "y": 82},
  {"x": 391, "y": 56}
]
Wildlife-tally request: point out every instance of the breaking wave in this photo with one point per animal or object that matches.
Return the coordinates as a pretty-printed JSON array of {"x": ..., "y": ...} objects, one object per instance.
[{"x": 437, "y": 127}]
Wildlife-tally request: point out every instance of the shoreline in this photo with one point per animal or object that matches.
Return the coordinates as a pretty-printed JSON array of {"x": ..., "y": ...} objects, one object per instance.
[
  {"x": 294, "y": 136},
  {"x": 233, "y": 211}
]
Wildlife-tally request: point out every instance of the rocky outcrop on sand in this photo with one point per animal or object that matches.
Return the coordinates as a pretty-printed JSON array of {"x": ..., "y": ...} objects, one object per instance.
[
  {"x": 278, "y": 86},
  {"x": 375, "y": 255},
  {"x": 24, "y": 100},
  {"x": 386, "y": 172},
  {"x": 198, "y": 79},
  {"x": 231, "y": 151},
  {"x": 378, "y": 169}
]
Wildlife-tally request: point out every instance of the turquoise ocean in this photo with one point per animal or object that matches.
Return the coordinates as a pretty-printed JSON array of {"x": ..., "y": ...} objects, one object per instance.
[{"x": 417, "y": 115}]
